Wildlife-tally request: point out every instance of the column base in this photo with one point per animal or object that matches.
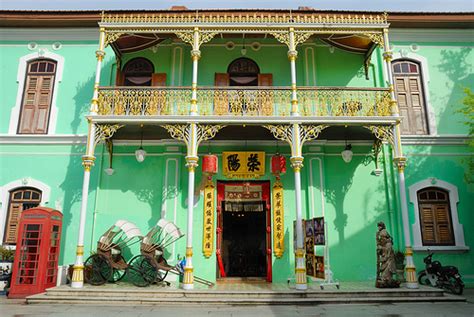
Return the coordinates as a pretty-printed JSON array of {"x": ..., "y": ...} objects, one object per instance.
[
  {"x": 411, "y": 285},
  {"x": 78, "y": 277},
  {"x": 77, "y": 284},
  {"x": 301, "y": 287},
  {"x": 187, "y": 287}
]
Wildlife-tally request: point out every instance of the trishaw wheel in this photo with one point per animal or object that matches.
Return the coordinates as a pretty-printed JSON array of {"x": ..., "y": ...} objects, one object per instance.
[
  {"x": 117, "y": 274},
  {"x": 97, "y": 269},
  {"x": 141, "y": 271}
]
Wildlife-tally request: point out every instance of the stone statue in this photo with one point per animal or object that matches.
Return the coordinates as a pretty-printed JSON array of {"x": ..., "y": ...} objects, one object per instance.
[{"x": 385, "y": 259}]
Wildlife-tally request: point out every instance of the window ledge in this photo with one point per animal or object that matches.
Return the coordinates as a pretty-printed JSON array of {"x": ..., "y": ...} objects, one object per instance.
[{"x": 447, "y": 249}]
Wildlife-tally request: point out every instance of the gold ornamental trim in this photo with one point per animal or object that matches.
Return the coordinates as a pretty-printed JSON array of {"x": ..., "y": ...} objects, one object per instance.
[
  {"x": 278, "y": 220},
  {"x": 285, "y": 18},
  {"x": 383, "y": 133},
  {"x": 208, "y": 220},
  {"x": 104, "y": 132},
  {"x": 80, "y": 250}
]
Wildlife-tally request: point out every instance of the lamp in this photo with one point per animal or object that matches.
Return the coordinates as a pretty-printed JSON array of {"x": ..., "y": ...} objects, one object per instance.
[
  {"x": 110, "y": 148},
  {"x": 347, "y": 153},
  {"x": 243, "y": 51},
  {"x": 140, "y": 154}
]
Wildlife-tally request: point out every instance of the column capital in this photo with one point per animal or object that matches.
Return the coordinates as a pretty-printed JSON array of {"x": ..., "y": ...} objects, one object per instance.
[
  {"x": 296, "y": 163},
  {"x": 394, "y": 107},
  {"x": 401, "y": 163},
  {"x": 88, "y": 162},
  {"x": 191, "y": 162},
  {"x": 387, "y": 56},
  {"x": 195, "y": 55},
  {"x": 292, "y": 55},
  {"x": 100, "y": 54}
]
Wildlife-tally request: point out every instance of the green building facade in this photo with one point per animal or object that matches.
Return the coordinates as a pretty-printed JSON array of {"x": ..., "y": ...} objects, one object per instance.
[{"x": 341, "y": 95}]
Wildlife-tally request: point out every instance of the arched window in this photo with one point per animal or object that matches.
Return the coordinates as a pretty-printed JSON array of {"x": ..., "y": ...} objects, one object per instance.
[
  {"x": 20, "y": 199},
  {"x": 138, "y": 72},
  {"x": 435, "y": 216},
  {"x": 37, "y": 97},
  {"x": 410, "y": 96},
  {"x": 243, "y": 72}
]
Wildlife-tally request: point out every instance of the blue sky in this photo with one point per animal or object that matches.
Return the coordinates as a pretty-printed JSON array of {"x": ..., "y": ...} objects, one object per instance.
[{"x": 370, "y": 5}]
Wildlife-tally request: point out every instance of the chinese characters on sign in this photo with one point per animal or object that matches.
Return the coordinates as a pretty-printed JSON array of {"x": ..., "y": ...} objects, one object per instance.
[
  {"x": 278, "y": 220},
  {"x": 243, "y": 164},
  {"x": 208, "y": 223}
]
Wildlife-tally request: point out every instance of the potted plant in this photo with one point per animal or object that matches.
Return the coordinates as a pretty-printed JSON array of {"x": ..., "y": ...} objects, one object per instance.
[
  {"x": 6, "y": 260},
  {"x": 400, "y": 265}
]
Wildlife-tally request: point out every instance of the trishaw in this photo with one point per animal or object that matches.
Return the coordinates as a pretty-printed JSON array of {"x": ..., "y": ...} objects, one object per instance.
[
  {"x": 150, "y": 266},
  {"x": 108, "y": 263}
]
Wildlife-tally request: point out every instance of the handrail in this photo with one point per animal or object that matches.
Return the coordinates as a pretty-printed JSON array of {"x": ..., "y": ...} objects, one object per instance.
[{"x": 244, "y": 101}]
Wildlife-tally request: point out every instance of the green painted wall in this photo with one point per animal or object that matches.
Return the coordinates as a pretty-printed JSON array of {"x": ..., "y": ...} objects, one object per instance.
[{"x": 353, "y": 199}]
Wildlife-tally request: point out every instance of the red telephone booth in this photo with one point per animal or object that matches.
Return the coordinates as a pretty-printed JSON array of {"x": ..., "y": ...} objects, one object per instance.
[{"x": 35, "y": 267}]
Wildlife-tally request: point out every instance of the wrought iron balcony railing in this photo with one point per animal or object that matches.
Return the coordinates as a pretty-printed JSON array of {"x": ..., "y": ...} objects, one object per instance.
[{"x": 244, "y": 101}]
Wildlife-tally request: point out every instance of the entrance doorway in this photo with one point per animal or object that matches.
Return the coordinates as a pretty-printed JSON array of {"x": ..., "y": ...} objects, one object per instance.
[{"x": 244, "y": 241}]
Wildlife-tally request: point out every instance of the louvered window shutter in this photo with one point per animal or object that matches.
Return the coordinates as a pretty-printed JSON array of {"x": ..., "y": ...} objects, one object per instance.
[
  {"x": 444, "y": 229},
  {"x": 427, "y": 224},
  {"x": 37, "y": 97},
  {"x": 12, "y": 222},
  {"x": 410, "y": 98},
  {"x": 435, "y": 217}
]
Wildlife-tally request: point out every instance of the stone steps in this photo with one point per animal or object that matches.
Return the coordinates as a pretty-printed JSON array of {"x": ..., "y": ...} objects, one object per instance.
[{"x": 154, "y": 296}]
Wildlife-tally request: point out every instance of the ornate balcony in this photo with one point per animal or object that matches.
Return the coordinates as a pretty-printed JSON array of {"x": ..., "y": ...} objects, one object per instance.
[{"x": 243, "y": 102}]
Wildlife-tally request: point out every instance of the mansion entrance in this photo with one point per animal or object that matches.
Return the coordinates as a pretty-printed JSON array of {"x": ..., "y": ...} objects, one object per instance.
[{"x": 244, "y": 230}]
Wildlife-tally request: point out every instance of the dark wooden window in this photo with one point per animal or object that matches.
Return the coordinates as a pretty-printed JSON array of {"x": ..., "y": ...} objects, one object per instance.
[
  {"x": 243, "y": 72},
  {"x": 37, "y": 97},
  {"x": 138, "y": 72},
  {"x": 20, "y": 199},
  {"x": 410, "y": 97},
  {"x": 435, "y": 217}
]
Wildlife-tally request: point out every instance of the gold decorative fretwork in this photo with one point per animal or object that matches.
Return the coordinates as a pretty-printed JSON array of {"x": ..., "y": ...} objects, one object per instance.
[
  {"x": 187, "y": 36},
  {"x": 300, "y": 37},
  {"x": 182, "y": 131},
  {"x": 111, "y": 37},
  {"x": 143, "y": 101},
  {"x": 331, "y": 102},
  {"x": 264, "y": 18},
  {"x": 264, "y": 101},
  {"x": 383, "y": 133},
  {"x": 284, "y": 132},
  {"x": 207, "y": 131},
  {"x": 105, "y": 131},
  {"x": 310, "y": 132},
  {"x": 375, "y": 37},
  {"x": 178, "y": 131},
  {"x": 244, "y": 102}
]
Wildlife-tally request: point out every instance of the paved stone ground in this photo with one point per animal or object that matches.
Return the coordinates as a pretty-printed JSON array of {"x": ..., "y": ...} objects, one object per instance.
[{"x": 17, "y": 308}]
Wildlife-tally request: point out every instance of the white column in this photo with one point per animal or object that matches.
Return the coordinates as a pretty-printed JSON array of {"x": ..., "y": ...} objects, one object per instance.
[
  {"x": 292, "y": 55},
  {"x": 297, "y": 163},
  {"x": 87, "y": 162},
  {"x": 191, "y": 163},
  {"x": 195, "y": 55},
  {"x": 400, "y": 160}
]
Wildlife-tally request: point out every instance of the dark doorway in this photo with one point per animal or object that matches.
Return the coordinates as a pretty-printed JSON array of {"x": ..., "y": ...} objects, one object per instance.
[{"x": 244, "y": 238}]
